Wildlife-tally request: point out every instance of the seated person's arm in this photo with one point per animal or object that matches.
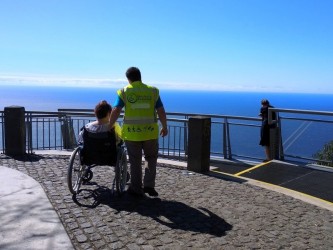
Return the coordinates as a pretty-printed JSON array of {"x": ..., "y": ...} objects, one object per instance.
[
  {"x": 114, "y": 115},
  {"x": 80, "y": 137},
  {"x": 118, "y": 106}
]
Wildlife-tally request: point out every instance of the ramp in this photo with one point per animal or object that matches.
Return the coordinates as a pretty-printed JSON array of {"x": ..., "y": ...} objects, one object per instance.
[{"x": 314, "y": 182}]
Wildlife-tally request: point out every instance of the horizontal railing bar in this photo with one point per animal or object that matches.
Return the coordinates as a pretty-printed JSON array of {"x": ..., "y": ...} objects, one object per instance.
[
  {"x": 177, "y": 120},
  {"x": 305, "y": 119},
  {"x": 300, "y": 111},
  {"x": 44, "y": 116},
  {"x": 76, "y": 110},
  {"x": 244, "y": 124},
  {"x": 214, "y": 116},
  {"x": 80, "y": 111}
]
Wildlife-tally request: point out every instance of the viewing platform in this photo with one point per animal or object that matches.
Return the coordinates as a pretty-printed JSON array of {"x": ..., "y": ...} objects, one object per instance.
[{"x": 193, "y": 210}]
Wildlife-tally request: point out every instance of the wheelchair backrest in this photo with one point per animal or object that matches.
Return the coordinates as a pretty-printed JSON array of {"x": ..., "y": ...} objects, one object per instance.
[{"x": 99, "y": 148}]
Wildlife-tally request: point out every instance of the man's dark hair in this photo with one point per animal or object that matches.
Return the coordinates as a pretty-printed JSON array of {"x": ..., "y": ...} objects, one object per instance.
[
  {"x": 264, "y": 102},
  {"x": 133, "y": 74},
  {"x": 102, "y": 109}
]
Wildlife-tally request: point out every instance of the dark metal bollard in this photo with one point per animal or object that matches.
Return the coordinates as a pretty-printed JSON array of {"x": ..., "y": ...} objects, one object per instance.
[
  {"x": 68, "y": 134},
  {"x": 199, "y": 144},
  {"x": 15, "y": 140}
]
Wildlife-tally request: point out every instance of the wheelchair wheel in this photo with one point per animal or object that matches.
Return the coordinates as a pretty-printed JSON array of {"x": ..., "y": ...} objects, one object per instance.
[
  {"x": 75, "y": 171},
  {"x": 121, "y": 171}
]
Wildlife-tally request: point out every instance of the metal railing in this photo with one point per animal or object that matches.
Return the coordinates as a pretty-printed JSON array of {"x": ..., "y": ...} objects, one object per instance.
[
  {"x": 59, "y": 130},
  {"x": 303, "y": 133},
  {"x": 54, "y": 130},
  {"x": 301, "y": 136}
]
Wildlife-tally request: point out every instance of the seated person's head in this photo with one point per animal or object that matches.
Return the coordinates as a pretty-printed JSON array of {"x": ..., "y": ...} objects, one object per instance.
[{"x": 102, "y": 110}]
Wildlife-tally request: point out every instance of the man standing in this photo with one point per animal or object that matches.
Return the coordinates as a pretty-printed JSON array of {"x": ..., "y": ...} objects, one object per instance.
[{"x": 140, "y": 129}]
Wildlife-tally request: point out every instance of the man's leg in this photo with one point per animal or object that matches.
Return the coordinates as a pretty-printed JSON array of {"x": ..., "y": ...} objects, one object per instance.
[
  {"x": 134, "y": 150},
  {"x": 268, "y": 153},
  {"x": 150, "y": 149}
]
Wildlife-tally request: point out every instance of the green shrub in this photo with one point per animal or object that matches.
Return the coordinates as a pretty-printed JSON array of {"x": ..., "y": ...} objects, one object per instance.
[{"x": 325, "y": 156}]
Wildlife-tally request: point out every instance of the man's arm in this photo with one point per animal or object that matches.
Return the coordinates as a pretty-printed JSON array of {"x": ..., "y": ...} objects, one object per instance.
[
  {"x": 162, "y": 116},
  {"x": 114, "y": 115}
]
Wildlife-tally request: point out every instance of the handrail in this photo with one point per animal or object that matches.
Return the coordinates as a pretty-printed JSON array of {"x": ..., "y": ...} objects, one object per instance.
[{"x": 302, "y": 111}]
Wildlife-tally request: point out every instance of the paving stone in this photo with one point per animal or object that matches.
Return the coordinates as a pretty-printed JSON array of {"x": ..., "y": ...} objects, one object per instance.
[
  {"x": 95, "y": 237},
  {"x": 85, "y": 225},
  {"x": 140, "y": 241},
  {"x": 192, "y": 211},
  {"x": 147, "y": 247},
  {"x": 72, "y": 225},
  {"x": 81, "y": 238},
  {"x": 99, "y": 245},
  {"x": 112, "y": 238},
  {"x": 165, "y": 239},
  {"x": 89, "y": 230},
  {"x": 116, "y": 245},
  {"x": 133, "y": 247}
]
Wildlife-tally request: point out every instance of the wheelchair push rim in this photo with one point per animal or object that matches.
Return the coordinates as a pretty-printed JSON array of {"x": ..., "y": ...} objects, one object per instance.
[
  {"x": 75, "y": 171},
  {"x": 121, "y": 171}
]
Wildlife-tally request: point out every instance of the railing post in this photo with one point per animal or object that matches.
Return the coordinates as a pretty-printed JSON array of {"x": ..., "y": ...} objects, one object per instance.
[
  {"x": 280, "y": 145},
  {"x": 29, "y": 132},
  {"x": 15, "y": 141},
  {"x": 229, "y": 153},
  {"x": 274, "y": 143},
  {"x": 226, "y": 140},
  {"x": 224, "y": 146},
  {"x": 68, "y": 134},
  {"x": 274, "y": 140},
  {"x": 2, "y": 143},
  {"x": 185, "y": 140},
  {"x": 199, "y": 144}
]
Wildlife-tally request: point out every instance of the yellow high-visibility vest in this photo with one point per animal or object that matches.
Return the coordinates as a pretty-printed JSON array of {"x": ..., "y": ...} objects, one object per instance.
[{"x": 140, "y": 119}]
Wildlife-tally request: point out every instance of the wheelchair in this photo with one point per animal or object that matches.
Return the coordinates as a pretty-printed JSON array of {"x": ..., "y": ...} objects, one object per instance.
[{"x": 98, "y": 149}]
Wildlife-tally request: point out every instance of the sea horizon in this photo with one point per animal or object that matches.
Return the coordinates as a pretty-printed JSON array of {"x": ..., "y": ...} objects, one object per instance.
[
  {"x": 51, "y": 98},
  {"x": 295, "y": 133}
]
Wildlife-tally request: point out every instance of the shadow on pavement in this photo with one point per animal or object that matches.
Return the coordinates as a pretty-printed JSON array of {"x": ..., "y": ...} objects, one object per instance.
[
  {"x": 25, "y": 157},
  {"x": 91, "y": 198},
  {"x": 173, "y": 214}
]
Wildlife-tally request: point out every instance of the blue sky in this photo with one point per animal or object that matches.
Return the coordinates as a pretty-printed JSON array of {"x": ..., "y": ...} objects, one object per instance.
[{"x": 227, "y": 45}]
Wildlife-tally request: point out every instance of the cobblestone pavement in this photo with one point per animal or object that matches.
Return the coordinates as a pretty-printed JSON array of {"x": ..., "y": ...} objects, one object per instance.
[{"x": 193, "y": 211}]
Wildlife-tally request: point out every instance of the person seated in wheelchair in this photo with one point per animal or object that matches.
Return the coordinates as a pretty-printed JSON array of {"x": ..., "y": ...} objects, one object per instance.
[{"x": 98, "y": 139}]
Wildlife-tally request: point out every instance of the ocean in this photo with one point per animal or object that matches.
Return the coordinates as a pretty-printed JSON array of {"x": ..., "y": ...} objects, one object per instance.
[
  {"x": 307, "y": 137},
  {"x": 35, "y": 98}
]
